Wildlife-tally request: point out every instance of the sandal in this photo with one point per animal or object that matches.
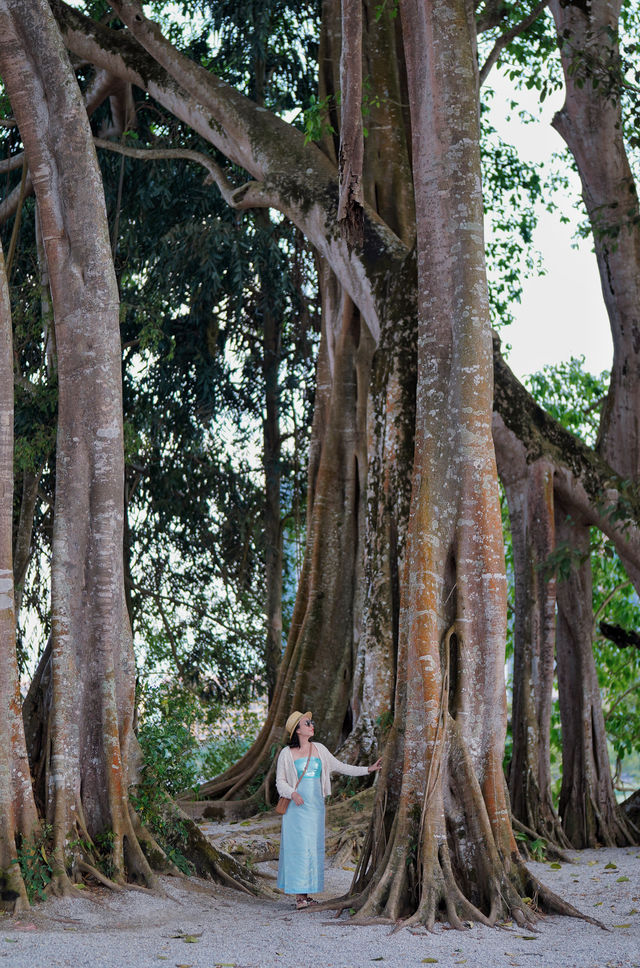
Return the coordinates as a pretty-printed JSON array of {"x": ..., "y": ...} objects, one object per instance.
[{"x": 301, "y": 905}]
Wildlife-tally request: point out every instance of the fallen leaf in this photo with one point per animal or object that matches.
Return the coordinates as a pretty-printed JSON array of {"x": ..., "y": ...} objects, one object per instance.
[
  {"x": 611, "y": 866},
  {"x": 527, "y": 937},
  {"x": 633, "y": 911},
  {"x": 622, "y": 925},
  {"x": 190, "y": 938},
  {"x": 429, "y": 961},
  {"x": 555, "y": 867},
  {"x": 621, "y": 880},
  {"x": 597, "y": 904},
  {"x": 11, "y": 940},
  {"x": 592, "y": 863}
]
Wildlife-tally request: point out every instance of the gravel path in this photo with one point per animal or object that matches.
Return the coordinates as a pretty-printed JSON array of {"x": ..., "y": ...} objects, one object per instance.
[{"x": 191, "y": 929}]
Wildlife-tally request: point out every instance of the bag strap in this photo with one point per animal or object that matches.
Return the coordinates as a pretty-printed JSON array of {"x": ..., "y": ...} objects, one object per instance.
[{"x": 305, "y": 767}]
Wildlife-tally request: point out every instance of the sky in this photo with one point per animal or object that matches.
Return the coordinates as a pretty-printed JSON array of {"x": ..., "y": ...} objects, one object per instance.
[{"x": 562, "y": 313}]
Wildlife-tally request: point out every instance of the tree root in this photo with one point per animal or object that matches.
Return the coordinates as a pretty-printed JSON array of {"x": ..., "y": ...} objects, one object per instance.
[
  {"x": 516, "y": 895},
  {"x": 222, "y": 810},
  {"x": 552, "y": 850},
  {"x": 209, "y": 861},
  {"x": 100, "y": 878},
  {"x": 546, "y": 900}
]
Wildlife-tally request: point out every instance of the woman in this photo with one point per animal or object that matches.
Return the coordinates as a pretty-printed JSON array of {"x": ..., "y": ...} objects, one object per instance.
[{"x": 303, "y": 775}]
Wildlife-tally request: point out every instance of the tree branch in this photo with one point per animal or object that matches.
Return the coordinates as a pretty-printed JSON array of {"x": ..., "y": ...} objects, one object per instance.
[
  {"x": 216, "y": 175},
  {"x": 623, "y": 695},
  {"x": 10, "y": 164},
  {"x": 507, "y": 37},
  {"x": 612, "y": 594},
  {"x": 582, "y": 479},
  {"x": 295, "y": 178},
  {"x": 10, "y": 205},
  {"x": 492, "y": 15}
]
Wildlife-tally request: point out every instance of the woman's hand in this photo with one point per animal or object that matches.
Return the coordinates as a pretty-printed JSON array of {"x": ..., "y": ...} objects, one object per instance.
[
  {"x": 297, "y": 799},
  {"x": 375, "y": 766}
]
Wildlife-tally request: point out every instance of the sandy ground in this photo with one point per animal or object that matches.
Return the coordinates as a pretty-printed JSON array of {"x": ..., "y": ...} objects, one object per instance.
[{"x": 191, "y": 929}]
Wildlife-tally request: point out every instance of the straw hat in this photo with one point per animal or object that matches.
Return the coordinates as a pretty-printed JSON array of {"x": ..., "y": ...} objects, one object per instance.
[{"x": 293, "y": 720}]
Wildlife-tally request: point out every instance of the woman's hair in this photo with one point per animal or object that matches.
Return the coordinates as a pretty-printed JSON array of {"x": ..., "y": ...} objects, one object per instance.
[{"x": 294, "y": 742}]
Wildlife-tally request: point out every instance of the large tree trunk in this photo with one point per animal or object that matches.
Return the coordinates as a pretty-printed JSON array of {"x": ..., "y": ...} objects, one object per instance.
[
  {"x": 529, "y": 491},
  {"x": 591, "y": 124},
  {"x": 391, "y": 434},
  {"x": 18, "y": 818},
  {"x": 83, "y": 691},
  {"x": 590, "y": 815},
  {"x": 442, "y": 797},
  {"x": 92, "y": 668}
]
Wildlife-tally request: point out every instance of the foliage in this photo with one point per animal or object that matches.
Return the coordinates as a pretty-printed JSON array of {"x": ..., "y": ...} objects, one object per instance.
[
  {"x": 316, "y": 118},
  {"x": 183, "y": 742},
  {"x": 34, "y": 863},
  {"x": 536, "y": 846}
]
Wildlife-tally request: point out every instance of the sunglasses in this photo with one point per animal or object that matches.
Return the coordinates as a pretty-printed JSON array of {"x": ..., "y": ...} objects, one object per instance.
[{"x": 308, "y": 722}]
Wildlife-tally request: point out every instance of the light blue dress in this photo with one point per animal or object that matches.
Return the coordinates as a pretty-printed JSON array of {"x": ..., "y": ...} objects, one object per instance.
[{"x": 301, "y": 864}]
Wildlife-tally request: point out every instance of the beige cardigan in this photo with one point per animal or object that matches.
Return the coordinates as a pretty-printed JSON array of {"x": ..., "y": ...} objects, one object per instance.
[{"x": 287, "y": 775}]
